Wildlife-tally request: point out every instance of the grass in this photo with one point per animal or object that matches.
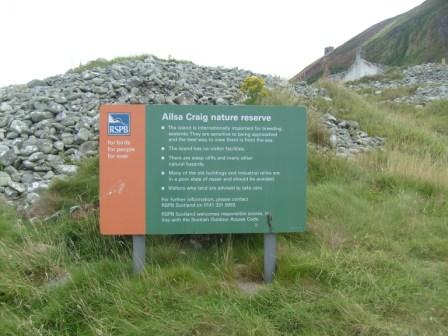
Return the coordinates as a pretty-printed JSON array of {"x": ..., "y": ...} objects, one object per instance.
[
  {"x": 435, "y": 116},
  {"x": 415, "y": 37},
  {"x": 391, "y": 74},
  {"x": 388, "y": 94},
  {"x": 317, "y": 133},
  {"x": 402, "y": 91},
  {"x": 374, "y": 260},
  {"x": 395, "y": 44}
]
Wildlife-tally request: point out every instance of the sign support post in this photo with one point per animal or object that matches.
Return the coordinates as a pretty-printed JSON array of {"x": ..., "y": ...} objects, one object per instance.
[
  {"x": 138, "y": 252},
  {"x": 270, "y": 245}
]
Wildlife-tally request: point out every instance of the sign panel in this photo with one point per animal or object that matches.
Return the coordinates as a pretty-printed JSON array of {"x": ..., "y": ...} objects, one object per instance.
[
  {"x": 122, "y": 169},
  {"x": 176, "y": 169}
]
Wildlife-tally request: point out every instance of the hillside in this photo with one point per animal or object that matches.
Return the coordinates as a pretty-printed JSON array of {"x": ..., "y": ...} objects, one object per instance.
[
  {"x": 374, "y": 260},
  {"x": 415, "y": 37}
]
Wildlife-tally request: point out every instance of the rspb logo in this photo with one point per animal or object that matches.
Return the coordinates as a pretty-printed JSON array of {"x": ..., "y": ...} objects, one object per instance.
[{"x": 118, "y": 124}]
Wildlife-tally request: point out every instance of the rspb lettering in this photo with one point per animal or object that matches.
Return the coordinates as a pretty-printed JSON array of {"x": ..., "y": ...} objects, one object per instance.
[{"x": 118, "y": 124}]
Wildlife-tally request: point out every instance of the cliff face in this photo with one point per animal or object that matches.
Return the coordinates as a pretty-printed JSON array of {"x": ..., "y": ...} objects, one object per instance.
[{"x": 415, "y": 37}]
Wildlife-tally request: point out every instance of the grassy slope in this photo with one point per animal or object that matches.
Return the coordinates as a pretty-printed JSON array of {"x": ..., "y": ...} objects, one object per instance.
[
  {"x": 419, "y": 36},
  {"x": 373, "y": 262},
  {"x": 415, "y": 37}
]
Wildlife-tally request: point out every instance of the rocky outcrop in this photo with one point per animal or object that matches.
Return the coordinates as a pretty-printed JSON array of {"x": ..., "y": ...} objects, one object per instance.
[
  {"x": 362, "y": 68},
  {"x": 430, "y": 82}
]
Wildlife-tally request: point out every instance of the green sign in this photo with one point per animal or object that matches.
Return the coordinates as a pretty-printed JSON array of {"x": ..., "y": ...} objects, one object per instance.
[{"x": 216, "y": 169}]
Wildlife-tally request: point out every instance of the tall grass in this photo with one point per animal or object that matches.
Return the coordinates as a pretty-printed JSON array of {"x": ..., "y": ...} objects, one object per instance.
[
  {"x": 423, "y": 168},
  {"x": 402, "y": 130},
  {"x": 317, "y": 133},
  {"x": 435, "y": 116}
]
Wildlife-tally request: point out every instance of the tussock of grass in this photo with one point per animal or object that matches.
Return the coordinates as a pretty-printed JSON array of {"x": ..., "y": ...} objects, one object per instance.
[
  {"x": 435, "y": 116},
  {"x": 317, "y": 133},
  {"x": 373, "y": 262},
  {"x": 402, "y": 91},
  {"x": 83, "y": 187},
  {"x": 423, "y": 168},
  {"x": 79, "y": 189},
  {"x": 9, "y": 223}
]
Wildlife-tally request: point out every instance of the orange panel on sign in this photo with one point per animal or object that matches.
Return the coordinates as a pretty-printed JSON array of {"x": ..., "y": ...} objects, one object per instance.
[{"x": 122, "y": 169}]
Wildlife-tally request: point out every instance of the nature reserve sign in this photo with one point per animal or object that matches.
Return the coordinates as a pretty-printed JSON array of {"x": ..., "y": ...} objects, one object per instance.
[{"x": 172, "y": 169}]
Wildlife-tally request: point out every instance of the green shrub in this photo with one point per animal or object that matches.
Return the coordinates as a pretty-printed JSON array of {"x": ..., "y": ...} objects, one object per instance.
[{"x": 254, "y": 88}]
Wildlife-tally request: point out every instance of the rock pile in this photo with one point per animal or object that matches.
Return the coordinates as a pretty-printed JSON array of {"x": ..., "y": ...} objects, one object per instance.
[
  {"x": 431, "y": 81},
  {"x": 48, "y": 125},
  {"x": 302, "y": 89},
  {"x": 347, "y": 138}
]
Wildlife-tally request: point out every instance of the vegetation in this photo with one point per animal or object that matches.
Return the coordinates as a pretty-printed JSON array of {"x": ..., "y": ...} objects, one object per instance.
[
  {"x": 415, "y": 37},
  {"x": 102, "y": 62},
  {"x": 317, "y": 133},
  {"x": 388, "y": 95},
  {"x": 435, "y": 116},
  {"x": 374, "y": 260},
  {"x": 397, "y": 43},
  {"x": 254, "y": 88},
  {"x": 314, "y": 78},
  {"x": 391, "y": 74}
]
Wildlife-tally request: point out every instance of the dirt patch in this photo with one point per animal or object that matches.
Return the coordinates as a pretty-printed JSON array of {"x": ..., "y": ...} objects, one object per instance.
[{"x": 249, "y": 287}]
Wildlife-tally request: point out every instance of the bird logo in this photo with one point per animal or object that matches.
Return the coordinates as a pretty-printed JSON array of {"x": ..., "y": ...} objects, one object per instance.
[
  {"x": 115, "y": 120},
  {"x": 119, "y": 123}
]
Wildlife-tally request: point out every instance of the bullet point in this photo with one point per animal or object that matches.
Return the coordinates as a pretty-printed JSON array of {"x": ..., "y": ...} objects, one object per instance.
[
  {"x": 163, "y": 158},
  {"x": 162, "y": 128},
  {"x": 163, "y": 188},
  {"x": 163, "y": 173},
  {"x": 162, "y": 148}
]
